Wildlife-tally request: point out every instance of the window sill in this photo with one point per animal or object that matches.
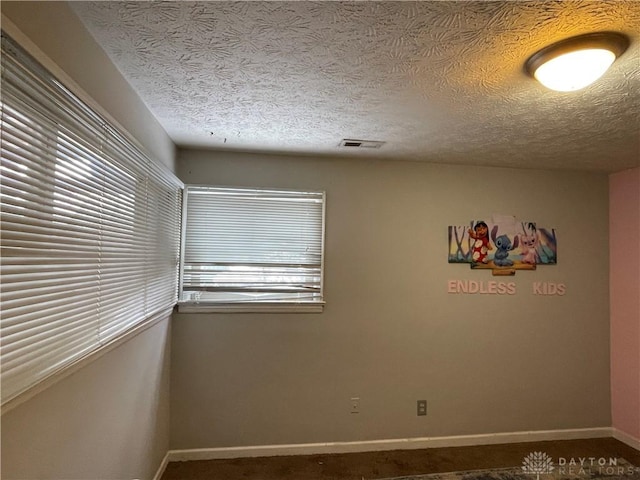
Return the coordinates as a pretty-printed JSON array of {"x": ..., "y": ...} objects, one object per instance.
[{"x": 201, "y": 307}]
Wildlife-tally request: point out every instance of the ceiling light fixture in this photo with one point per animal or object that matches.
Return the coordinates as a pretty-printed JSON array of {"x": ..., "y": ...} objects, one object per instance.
[{"x": 576, "y": 62}]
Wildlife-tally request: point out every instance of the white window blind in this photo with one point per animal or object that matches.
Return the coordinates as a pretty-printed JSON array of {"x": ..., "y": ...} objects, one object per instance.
[
  {"x": 252, "y": 246},
  {"x": 90, "y": 228}
]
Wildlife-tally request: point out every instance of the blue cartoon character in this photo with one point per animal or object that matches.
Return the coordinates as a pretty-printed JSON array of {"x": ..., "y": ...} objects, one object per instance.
[{"x": 503, "y": 247}]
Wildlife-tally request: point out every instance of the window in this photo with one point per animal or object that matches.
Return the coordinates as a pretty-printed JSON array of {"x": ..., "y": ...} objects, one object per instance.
[
  {"x": 247, "y": 249},
  {"x": 90, "y": 229}
]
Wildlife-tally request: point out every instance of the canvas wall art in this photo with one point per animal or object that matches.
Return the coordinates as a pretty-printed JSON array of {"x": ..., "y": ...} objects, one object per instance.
[{"x": 502, "y": 244}]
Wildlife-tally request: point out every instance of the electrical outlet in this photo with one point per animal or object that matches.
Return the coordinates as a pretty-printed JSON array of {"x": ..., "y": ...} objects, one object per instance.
[
  {"x": 422, "y": 408},
  {"x": 355, "y": 405}
]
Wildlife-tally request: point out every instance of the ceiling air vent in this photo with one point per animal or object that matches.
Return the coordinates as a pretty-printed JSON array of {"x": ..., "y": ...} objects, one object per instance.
[{"x": 350, "y": 143}]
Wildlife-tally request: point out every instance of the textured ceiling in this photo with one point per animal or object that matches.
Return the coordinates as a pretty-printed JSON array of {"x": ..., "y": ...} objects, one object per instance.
[{"x": 438, "y": 81}]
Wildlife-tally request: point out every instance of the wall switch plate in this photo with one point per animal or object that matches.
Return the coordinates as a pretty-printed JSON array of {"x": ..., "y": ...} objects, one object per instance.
[
  {"x": 355, "y": 405},
  {"x": 422, "y": 408}
]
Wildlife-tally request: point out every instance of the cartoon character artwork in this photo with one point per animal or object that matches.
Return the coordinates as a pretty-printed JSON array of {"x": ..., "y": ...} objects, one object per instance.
[
  {"x": 481, "y": 244},
  {"x": 502, "y": 245},
  {"x": 529, "y": 244}
]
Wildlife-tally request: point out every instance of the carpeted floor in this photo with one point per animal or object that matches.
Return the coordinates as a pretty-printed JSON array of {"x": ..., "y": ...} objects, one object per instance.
[{"x": 398, "y": 463}]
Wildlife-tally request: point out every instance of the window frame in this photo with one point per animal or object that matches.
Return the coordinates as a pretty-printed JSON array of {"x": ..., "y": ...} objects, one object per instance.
[{"x": 208, "y": 306}]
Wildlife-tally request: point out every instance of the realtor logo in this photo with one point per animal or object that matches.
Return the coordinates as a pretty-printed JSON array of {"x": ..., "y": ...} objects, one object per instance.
[{"x": 537, "y": 463}]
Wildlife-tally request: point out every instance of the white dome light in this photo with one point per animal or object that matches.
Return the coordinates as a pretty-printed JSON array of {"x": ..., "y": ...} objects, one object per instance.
[{"x": 574, "y": 63}]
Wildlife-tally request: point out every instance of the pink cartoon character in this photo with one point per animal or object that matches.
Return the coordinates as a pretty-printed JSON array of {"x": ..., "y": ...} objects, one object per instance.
[
  {"x": 481, "y": 245},
  {"x": 529, "y": 244}
]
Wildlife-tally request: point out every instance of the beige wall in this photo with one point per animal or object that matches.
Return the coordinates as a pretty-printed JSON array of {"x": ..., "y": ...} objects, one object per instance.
[
  {"x": 390, "y": 334},
  {"x": 109, "y": 420}
]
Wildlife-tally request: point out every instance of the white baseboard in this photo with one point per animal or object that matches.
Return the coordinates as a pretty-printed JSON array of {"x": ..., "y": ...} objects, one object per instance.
[
  {"x": 383, "y": 445},
  {"x": 162, "y": 467},
  {"x": 626, "y": 438}
]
